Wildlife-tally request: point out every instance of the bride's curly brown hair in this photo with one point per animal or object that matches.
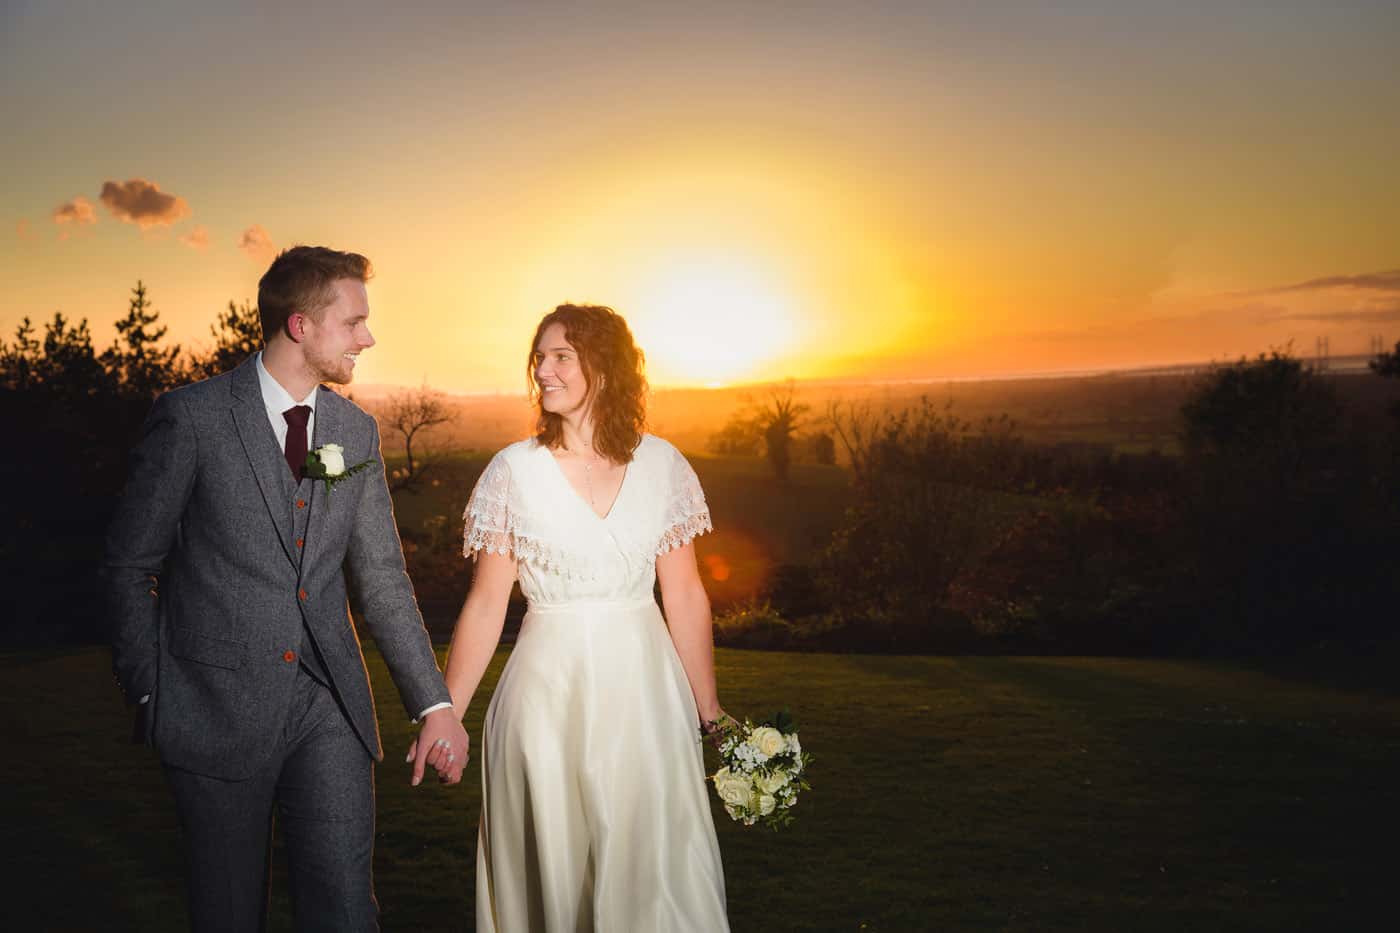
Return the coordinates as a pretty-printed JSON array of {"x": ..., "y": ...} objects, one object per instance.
[{"x": 616, "y": 372}]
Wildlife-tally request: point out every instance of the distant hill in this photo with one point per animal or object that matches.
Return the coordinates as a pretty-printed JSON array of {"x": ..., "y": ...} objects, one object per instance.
[{"x": 1128, "y": 410}]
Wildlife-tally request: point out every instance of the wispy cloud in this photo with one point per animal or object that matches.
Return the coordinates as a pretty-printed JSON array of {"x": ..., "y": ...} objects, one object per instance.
[
  {"x": 23, "y": 232},
  {"x": 141, "y": 202},
  {"x": 257, "y": 243},
  {"x": 69, "y": 215},
  {"x": 1388, "y": 281},
  {"x": 198, "y": 238}
]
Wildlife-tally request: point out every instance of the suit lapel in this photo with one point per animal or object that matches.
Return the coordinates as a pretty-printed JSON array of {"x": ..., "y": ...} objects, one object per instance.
[
  {"x": 260, "y": 445},
  {"x": 329, "y": 430}
]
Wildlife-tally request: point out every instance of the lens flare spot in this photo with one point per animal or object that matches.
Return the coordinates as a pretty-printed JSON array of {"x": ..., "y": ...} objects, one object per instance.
[
  {"x": 718, "y": 567},
  {"x": 735, "y": 565}
]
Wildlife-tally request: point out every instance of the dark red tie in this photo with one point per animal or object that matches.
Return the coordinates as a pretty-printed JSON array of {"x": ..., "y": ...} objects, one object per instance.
[{"x": 296, "y": 438}]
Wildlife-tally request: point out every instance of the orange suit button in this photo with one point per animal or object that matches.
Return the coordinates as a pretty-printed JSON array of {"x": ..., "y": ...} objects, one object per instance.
[
  {"x": 289, "y": 656},
  {"x": 301, "y": 503},
  {"x": 302, "y": 594}
]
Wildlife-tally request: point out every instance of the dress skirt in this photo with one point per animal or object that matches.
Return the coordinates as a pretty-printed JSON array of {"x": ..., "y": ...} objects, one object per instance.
[{"x": 595, "y": 813}]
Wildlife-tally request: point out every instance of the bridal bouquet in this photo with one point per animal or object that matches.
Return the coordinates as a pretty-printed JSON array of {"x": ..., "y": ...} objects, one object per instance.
[{"x": 761, "y": 769}]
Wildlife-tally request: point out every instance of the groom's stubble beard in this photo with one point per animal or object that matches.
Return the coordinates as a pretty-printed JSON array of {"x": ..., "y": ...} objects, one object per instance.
[{"x": 327, "y": 368}]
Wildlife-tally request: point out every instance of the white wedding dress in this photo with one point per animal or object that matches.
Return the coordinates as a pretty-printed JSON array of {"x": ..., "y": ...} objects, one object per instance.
[{"x": 595, "y": 813}]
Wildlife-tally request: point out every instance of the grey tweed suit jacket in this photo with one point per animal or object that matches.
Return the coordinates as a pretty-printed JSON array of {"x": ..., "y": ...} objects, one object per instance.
[{"x": 208, "y": 513}]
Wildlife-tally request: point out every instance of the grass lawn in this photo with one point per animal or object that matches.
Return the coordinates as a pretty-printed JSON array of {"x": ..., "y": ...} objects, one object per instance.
[{"x": 949, "y": 794}]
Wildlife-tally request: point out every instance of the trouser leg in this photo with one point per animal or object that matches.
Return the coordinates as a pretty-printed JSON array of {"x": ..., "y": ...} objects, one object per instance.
[
  {"x": 325, "y": 801},
  {"x": 226, "y": 828}
]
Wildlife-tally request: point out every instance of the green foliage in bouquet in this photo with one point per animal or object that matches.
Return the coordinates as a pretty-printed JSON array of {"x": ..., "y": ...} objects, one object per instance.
[{"x": 763, "y": 768}]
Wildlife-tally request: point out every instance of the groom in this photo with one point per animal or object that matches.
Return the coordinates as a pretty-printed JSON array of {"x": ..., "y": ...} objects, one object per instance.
[{"x": 228, "y": 568}]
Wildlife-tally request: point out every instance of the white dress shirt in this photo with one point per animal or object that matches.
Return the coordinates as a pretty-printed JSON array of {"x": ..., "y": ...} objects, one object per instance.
[{"x": 276, "y": 400}]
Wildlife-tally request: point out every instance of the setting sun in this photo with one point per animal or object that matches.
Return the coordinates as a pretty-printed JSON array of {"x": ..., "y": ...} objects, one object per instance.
[{"x": 712, "y": 320}]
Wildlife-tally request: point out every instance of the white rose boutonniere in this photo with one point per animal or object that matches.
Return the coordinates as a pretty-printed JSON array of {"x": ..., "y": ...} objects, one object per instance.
[
  {"x": 327, "y": 463},
  {"x": 332, "y": 458}
]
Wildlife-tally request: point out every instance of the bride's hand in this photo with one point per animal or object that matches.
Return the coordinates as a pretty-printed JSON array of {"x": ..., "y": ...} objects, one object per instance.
[
  {"x": 716, "y": 726},
  {"x": 447, "y": 750}
]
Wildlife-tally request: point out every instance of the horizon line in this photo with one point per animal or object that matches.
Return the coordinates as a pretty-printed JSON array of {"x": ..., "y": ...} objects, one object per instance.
[{"x": 1341, "y": 364}]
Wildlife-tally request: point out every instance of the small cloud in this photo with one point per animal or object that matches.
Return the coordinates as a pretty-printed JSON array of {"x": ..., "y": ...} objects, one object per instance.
[
  {"x": 257, "y": 243},
  {"x": 1374, "y": 281},
  {"x": 1388, "y": 281},
  {"x": 198, "y": 238},
  {"x": 23, "y": 232},
  {"x": 142, "y": 203},
  {"x": 78, "y": 212}
]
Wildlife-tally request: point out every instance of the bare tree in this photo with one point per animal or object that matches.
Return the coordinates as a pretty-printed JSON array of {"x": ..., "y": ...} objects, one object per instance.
[
  {"x": 855, "y": 426},
  {"x": 410, "y": 413}
]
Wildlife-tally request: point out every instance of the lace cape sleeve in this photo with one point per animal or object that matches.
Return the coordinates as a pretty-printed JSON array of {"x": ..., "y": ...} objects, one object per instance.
[
  {"x": 489, "y": 521},
  {"x": 687, "y": 513}
]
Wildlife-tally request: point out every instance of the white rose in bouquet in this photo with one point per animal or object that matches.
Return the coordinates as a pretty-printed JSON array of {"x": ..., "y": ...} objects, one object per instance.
[
  {"x": 768, "y": 741},
  {"x": 766, "y": 805},
  {"x": 735, "y": 790},
  {"x": 332, "y": 458}
]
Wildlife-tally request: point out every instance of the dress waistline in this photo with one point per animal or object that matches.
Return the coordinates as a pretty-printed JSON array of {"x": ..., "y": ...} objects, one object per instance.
[{"x": 588, "y": 606}]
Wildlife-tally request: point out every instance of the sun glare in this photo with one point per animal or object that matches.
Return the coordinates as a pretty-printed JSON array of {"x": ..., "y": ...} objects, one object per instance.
[{"x": 712, "y": 322}]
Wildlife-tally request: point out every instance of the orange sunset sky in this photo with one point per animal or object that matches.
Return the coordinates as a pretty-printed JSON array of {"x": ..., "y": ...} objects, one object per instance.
[{"x": 765, "y": 190}]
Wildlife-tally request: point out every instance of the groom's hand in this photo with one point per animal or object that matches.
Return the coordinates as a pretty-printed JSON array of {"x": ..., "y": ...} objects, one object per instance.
[{"x": 442, "y": 743}]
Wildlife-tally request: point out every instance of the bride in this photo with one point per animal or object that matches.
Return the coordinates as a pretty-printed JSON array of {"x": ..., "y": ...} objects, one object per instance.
[{"x": 595, "y": 813}]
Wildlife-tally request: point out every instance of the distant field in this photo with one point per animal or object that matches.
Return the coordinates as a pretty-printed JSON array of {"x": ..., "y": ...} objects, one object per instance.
[
  {"x": 1126, "y": 411},
  {"x": 950, "y": 794}
]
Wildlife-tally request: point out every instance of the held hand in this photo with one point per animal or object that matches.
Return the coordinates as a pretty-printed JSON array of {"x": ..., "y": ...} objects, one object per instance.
[{"x": 442, "y": 743}]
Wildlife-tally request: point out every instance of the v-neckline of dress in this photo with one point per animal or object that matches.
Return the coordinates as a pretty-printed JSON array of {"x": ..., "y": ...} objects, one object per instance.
[{"x": 578, "y": 497}]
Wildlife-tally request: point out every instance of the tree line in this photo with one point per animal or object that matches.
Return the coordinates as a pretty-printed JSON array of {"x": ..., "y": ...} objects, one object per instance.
[
  {"x": 1276, "y": 529},
  {"x": 72, "y": 413}
]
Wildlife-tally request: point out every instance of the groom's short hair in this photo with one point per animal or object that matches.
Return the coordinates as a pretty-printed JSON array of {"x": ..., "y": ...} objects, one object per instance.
[{"x": 301, "y": 281}]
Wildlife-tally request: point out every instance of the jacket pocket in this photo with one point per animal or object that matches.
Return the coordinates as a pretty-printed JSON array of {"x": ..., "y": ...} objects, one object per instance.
[{"x": 218, "y": 652}]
